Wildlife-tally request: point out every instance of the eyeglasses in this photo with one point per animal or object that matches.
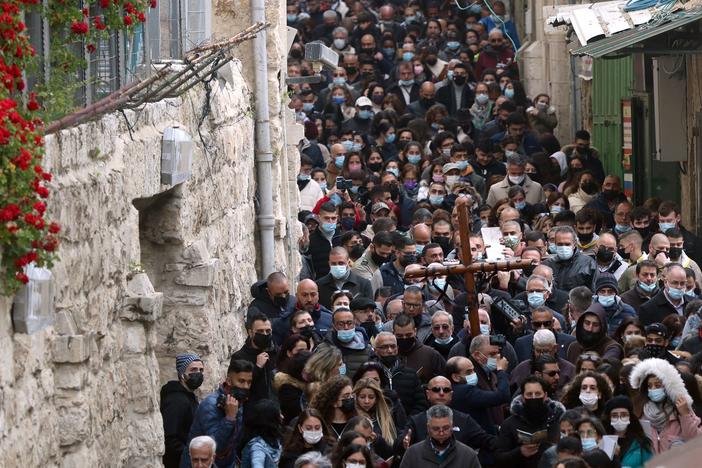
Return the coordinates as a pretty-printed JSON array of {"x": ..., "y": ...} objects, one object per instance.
[
  {"x": 441, "y": 389},
  {"x": 440, "y": 327},
  {"x": 553, "y": 373},
  {"x": 589, "y": 357}
]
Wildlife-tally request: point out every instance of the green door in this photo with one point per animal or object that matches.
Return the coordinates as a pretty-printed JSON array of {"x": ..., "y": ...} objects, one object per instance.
[{"x": 612, "y": 81}]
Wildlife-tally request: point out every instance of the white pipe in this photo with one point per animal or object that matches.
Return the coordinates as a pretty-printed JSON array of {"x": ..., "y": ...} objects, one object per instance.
[{"x": 264, "y": 153}]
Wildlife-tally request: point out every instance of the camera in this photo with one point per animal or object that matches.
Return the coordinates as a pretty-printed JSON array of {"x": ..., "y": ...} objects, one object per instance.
[
  {"x": 221, "y": 401},
  {"x": 343, "y": 184},
  {"x": 498, "y": 340},
  {"x": 507, "y": 309}
]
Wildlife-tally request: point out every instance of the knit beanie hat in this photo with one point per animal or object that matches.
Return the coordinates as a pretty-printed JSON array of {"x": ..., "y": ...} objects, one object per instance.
[{"x": 184, "y": 360}]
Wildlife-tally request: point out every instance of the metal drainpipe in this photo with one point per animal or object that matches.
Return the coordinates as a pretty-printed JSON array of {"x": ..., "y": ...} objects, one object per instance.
[{"x": 264, "y": 153}]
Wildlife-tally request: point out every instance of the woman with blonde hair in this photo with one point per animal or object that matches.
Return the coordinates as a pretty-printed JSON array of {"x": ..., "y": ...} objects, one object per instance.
[
  {"x": 370, "y": 402},
  {"x": 320, "y": 367}
]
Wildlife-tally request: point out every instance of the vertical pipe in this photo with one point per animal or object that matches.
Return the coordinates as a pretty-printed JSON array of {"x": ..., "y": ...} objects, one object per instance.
[{"x": 264, "y": 153}]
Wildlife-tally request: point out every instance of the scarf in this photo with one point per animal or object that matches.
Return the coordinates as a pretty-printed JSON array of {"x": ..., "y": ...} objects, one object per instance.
[{"x": 658, "y": 415}]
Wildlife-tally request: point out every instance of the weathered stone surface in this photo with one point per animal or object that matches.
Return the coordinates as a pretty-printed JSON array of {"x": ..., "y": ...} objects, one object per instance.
[
  {"x": 142, "y": 302},
  {"x": 70, "y": 349},
  {"x": 199, "y": 275},
  {"x": 70, "y": 377},
  {"x": 196, "y": 253}
]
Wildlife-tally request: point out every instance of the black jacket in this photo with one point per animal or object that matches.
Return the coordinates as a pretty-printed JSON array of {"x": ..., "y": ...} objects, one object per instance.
[
  {"x": 601, "y": 205},
  {"x": 578, "y": 270},
  {"x": 178, "y": 407},
  {"x": 263, "y": 304},
  {"x": 508, "y": 447},
  {"x": 486, "y": 401},
  {"x": 319, "y": 250},
  {"x": 635, "y": 298},
  {"x": 262, "y": 384},
  {"x": 397, "y": 91},
  {"x": 658, "y": 308},
  {"x": 405, "y": 382},
  {"x": 447, "y": 96},
  {"x": 692, "y": 245},
  {"x": 525, "y": 345},
  {"x": 355, "y": 284}
]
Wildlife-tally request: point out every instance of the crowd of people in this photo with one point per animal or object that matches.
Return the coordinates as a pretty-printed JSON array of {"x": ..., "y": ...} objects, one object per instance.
[{"x": 590, "y": 357}]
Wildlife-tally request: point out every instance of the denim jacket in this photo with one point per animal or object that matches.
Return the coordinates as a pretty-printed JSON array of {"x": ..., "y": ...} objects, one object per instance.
[{"x": 258, "y": 454}]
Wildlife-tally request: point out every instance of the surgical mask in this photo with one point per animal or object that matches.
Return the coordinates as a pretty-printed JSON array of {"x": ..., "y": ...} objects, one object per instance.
[
  {"x": 407, "y": 56},
  {"x": 414, "y": 158},
  {"x": 462, "y": 165},
  {"x": 312, "y": 437},
  {"x": 482, "y": 99},
  {"x": 388, "y": 51},
  {"x": 292, "y": 18},
  {"x": 520, "y": 205},
  {"x": 536, "y": 299},
  {"x": 354, "y": 465},
  {"x": 339, "y": 80},
  {"x": 345, "y": 336},
  {"x": 657, "y": 395},
  {"x": 453, "y": 45},
  {"x": 307, "y": 107},
  {"x": 452, "y": 179},
  {"x": 665, "y": 226},
  {"x": 328, "y": 228},
  {"x": 675, "y": 293},
  {"x": 516, "y": 180},
  {"x": 410, "y": 185},
  {"x": 552, "y": 249},
  {"x": 606, "y": 301},
  {"x": 406, "y": 82},
  {"x": 322, "y": 185},
  {"x": 394, "y": 171},
  {"x": 675, "y": 342},
  {"x": 446, "y": 152},
  {"x": 339, "y": 161},
  {"x": 335, "y": 198},
  {"x": 338, "y": 271},
  {"x": 511, "y": 241},
  {"x": 439, "y": 284},
  {"x": 589, "y": 400},
  {"x": 439, "y": 179},
  {"x": 588, "y": 444},
  {"x": 303, "y": 177},
  {"x": 365, "y": 114},
  {"x": 443, "y": 341},
  {"x": 472, "y": 379},
  {"x": 491, "y": 363},
  {"x": 620, "y": 425},
  {"x": 691, "y": 293},
  {"x": 436, "y": 200},
  {"x": 509, "y": 93},
  {"x": 338, "y": 100},
  {"x": 622, "y": 228},
  {"x": 418, "y": 69},
  {"x": 342, "y": 369},
  {"x": 555, "y": 209},
  {"x": 390, "y": 138},
  {"x": 339, "y": 43},
  {"x": 484, "y": 330},
  {"x": 564, "y": 252},
  {"x": 419, "y": 249}
]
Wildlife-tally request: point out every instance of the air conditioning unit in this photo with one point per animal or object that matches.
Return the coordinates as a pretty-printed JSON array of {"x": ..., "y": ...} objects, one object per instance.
[
  {"x": 176, "y": 156},
  {"x": 670, "y": 108}
]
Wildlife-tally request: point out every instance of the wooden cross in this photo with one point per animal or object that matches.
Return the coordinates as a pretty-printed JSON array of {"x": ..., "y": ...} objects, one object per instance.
[{"x": 468, "y": 268}]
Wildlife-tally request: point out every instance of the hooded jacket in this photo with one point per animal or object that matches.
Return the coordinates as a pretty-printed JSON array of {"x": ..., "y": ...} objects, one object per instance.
[
  {"x": 602, "y": 344},
  {"x": 178, "y": 406},
  {"x": 262, "y": 384},
  {"x": 353, "y": 353},
  {"x": 617, "y": 313},
  {"x": 679, "y": 428},
  {"x": 508, "y": 445},
  {"x": 263, "y": 304}
]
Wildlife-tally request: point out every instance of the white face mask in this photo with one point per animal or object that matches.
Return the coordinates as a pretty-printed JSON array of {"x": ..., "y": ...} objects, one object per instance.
[
  {"x": 354, "y": 465},
  {"x": 312, "y": 437},
  {"x": 620, "y": 425},
  {"x": 451, "y": 180},
  {"x": 516, "y": 179},
  {"x": 589, "y": 400}
]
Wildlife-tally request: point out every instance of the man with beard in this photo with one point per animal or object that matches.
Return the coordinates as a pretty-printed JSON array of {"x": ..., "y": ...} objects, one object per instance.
[
  {"x": 440, "y": 449},
  {"x": 375, "y": 256},
  {"x": 657, "y": 341},
  {"x": 591, "y": 335},
  {"x": 678, "y": 255},
  {"x": 259, "y": 350},
  {"x": 308, "y": 300},
  {"x": 532, "y": 412},
  {"x": 391, "y": 274}
]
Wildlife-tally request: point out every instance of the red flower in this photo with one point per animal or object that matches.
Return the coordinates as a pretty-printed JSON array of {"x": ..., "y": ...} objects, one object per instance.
[
  {"x": 46, "y": 176},
  {"x": 91, "y": 48},
  {"x": 141, "y": 16},
  {"x": 32, "y": 105},
  {"x": 43, "y": 192},
  {"x": 128, "y": 20},
  {"x": 154, "y": 3},
  {"x": 54, "y": 228},
  {"x": 30, "y": 218},
  {"x": 79, "y": 27},
  {"x": 22, "y": 278},
  {"x": 85, "y": 11},
  {"x": 40, "y": 207},
  {"x": 105, "y": 3}
]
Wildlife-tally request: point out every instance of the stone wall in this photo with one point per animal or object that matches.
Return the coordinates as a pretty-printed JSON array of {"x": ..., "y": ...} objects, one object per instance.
[{"x": 146, "y": 271}]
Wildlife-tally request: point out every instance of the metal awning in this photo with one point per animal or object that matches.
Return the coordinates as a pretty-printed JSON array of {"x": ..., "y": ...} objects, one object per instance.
[{"x": 625, "y": 39}]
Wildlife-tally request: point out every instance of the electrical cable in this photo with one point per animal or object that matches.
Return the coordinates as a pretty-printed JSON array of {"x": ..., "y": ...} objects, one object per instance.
[{"x": 495, "y": 16}]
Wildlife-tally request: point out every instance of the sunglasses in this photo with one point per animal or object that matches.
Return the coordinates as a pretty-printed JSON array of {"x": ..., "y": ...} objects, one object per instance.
[
  {"x": 589, "y": 357},
  {"x": 553, "y": 373},
  {"x": 545, "y": 323},
  {"x": 441, "y": 389}
]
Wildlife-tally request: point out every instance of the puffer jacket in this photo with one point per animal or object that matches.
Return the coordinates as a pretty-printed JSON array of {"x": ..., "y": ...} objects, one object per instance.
[
  {"x": 262, "y": 302},
  {"x": 508, "y": 446},
  {"x": 578, "y": 270},
  {"x": 679, "y": 428},
  {"x": 603, "y": 345}
]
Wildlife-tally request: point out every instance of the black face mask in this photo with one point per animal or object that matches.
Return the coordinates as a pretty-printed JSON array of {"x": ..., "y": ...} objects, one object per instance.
[
  {"x": 388, "y": 361},
  {"x": 644, "y": 231},
  {"x": 356, "y": 251},
  {"x": 589, "y": 187},
  {"x": 585, "y": 238},
  {"x": 675, "y": 253},
  {"x": 425, "y": 102},
  {"x": 369, "y": 327},
  {"x": 528, "y": 271},
  {"x": 351, "y": 70},
  {"x": 240, "y": 394},
  {"x": 280, "y": 301},
  {"x": 622, "y": 253},
  {"x": 431, "y": 61},
  {"x": 379, "y": 259},
  {"x": 585, "y": 337},
  {"x": 194, "y": 380},
  {"x": 445, "y": 242},
  {"x": 307, "y": 332},
  {"x": 459, "y": 80},
  {"x": 655, "y": 350},
  {"x": 604, "y": 255},
  {"x": 408, "y": 259},
  {"x": 535, "y": 408},
  {"x": 375, "y": 167},
  {"x": 348, "y": 405},
  {"x": 262, "y": 341},
  {"x": 610, "y": 194},
  {"x": 405, "y": 344}
]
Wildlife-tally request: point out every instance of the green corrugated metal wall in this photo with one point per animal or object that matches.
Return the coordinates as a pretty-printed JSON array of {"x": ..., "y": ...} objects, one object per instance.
[{"x": 612, "y": 80}]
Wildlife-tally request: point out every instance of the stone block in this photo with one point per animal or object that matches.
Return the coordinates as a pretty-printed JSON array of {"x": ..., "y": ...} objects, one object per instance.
[
  {"x": 65, "y": 325},
  {"x": 70, "y": 349},
  {"x": 70, "y": 376},
  {"x": 200, "y": 275},
  {"x": 196, "y": 253},
  {"x": 141, "y": 303},
  {"x": 74, "y": 422},
  {"x": 134, "y": 338}
]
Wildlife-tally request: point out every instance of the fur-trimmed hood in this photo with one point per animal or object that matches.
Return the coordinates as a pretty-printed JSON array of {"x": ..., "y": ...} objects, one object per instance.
[
  {"x": 666, "y": 372},
  {"x": 281, "y": 378},
  {"x": 555, "y": 409}
]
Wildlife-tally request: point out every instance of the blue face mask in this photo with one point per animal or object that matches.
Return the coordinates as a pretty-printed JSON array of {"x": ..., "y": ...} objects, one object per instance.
[
  {"x": 588, "y": 444},
  {"x": 328, "y": 228},
  {"x": 307, "y": 107},
  {"x": 414, "y": 158},
  {"x": 691, "y": 293},
  {"x": 462, "y": 165},
  {"x": 675, "y": 293},
  {"x": 657, "y": 395},
  {"x": 520, "y": 205},
  {"x": 647, "y": 287},
  {"x": 552, "y": 249},
  {"x": 564, "y": 252},
  {"x": 419, "y": 249},
  {"x": 365, "y": 114},
  {"x": 453, "y": 45},
  {"x": 406, "y": 82},
  {"x": 665, "y": 226},
  {"x": 345, "y": 336},
  {"x": 356, "y": 148},
  {"x": 491, "y": 364},
  {"x": 335, "y": 199},
  {"x": 484, "y": 329},
  {"x": 555, "y": 209},
  {"x": 407, "y": 56},
  {"x": 338, "y": 271},
  {"x": 338, "y": 100},
  {"x": 509, "y": 93},
  {"x": 606, "y": 301},
  {"x": 339, "y": 161},
  {"x": 394, "y": 171},
  {"x": 472, "y": 379},
  {"x": 322, "y": 185},
  {"x": 292, "y": 18},
  {"x": 536, "y": 299},
  {"x": 436, "y": 200},
  {"x": 439, "y": 284},
  {"x": 348, "y": 146},
  {"x": 443, "y": 341},
  {"x": 354, "y": 189},
  {"x": 675, "y": 342},
  {"x": 342, "y": 369},
  {"x": 622, "y": 228},
  {"x": 303, "y": 177},
  {"x": 388, "y": 52},
  {"x": 390, "y": 137},
  {"x": 339, "y": 80}
]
